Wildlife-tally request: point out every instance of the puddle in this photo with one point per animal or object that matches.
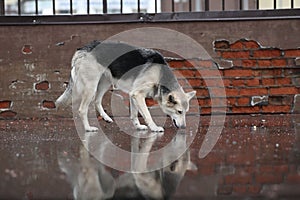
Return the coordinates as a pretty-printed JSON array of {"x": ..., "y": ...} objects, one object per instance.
[{"x": 256, "y": 157}]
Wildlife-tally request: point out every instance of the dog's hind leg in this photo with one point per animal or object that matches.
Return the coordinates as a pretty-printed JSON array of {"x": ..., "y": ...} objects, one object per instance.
[{"x": 103, "y": 85}]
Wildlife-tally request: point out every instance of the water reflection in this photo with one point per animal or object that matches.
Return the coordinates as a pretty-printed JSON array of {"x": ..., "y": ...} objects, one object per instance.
[{"x": 90, "y": 179}]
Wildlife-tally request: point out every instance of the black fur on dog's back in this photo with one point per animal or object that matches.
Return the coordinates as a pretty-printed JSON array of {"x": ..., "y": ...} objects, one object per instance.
[{"x": 120, "y": 58}]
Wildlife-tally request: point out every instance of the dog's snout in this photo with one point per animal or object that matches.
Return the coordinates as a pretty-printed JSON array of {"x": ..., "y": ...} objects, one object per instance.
[{"x": 178, "y": 125}]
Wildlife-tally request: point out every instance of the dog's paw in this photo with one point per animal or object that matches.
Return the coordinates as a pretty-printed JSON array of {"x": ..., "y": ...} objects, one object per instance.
[
  {"x": 157, "y": 129},
  {"x": 106, "y": 118},
  {"x": 141, "y": 127},
  {"x": 91, "y": 129}
]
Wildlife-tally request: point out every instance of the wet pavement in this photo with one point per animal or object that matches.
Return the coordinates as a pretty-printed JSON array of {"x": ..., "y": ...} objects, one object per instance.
[{"x": 255, "y": 157}]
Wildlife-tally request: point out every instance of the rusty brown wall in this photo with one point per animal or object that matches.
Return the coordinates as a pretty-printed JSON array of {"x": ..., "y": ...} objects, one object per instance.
[{"x": 35, "y": 60}]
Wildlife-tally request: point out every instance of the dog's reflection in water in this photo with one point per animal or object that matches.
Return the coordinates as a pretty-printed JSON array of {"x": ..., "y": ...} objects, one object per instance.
[
  {"x": 92, "y": 180},
  {"x": 88, "y": 177}
]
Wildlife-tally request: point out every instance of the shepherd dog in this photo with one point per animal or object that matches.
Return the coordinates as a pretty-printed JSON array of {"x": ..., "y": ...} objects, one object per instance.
[{"x": 140, "y": 72}]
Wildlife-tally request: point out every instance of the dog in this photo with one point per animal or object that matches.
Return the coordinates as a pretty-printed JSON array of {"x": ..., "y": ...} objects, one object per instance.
[{"x": 140, "y": 72}]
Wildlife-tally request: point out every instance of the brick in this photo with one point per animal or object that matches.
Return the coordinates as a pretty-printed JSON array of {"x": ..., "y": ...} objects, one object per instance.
[
  {"x": 214, "y": 82},
  {"x": 227, "y": 82},
  {"x": 292, "y": 53},
  {"x": 204, "y": 102},
  {"x": 293, "y": 178},
  {"x": 238, "y": 179},
  {"x": 244, "y": 101},
  {"x": 268, "y": 178},
  {"x": 238, "y": 82},
  {"x": 196, "y": 82},
  {"x": 276, "y": 109},
  {"x": 279, "y": 63},
  {"x": 241, "y": 158},
  {"x": 8, "y": 114},
  {"x": 284, "y": 168},
  {"x": 253, "y": 82},
  {"x": 253, "y": 91},
  {"x": 284, "y": 81},
  {"x": 254, "y": 189},
  {"x": 235, "y": 54},
  {"x": 202, "y": 92},
  {"x": 205, "y": 63},
  {"x": 224, "y": 190},
  {"x": 221, "y": 44},
  {"x": 268, "y": 82},
  {"x": 44, "y": 85},
  {"x": 271, "y": 72},
  {"x": 232, "y": 92},
  {"x": 240, "y": 189},
  {"x": 281, "y": 100},
  {"x": 237, "y": 45},
  {"x": 231, "y": 101},
  {"x": 245, "y": 109},
  {"x": 48, "y": 104},
  {"x": 219, "y": 101},
  {"x": 207, "y": 73},
  {"x": 264, "y": 63},
  {"x": 284, "y": 90},
  {"x": 151, "y": 102},
  {"x": 206, "y": 110},
  {"x": 218, "y": 92},
  {"x": 249, "y": 63},
  {"x": 175, "y": 64},
  {"x": 266, "y": 169},
  {"x": 27, "y": 49},
  {"x": 251, "y": 44},
  {"x": 267, "y": 53},
  {"x": 5, "y": 104},
  {"x": 206, "y": 170},
  {"x": 238, "y": 72}
]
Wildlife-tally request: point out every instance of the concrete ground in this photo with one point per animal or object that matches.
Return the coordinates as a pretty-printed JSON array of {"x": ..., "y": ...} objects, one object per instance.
[{"x": 253, "y": 157}]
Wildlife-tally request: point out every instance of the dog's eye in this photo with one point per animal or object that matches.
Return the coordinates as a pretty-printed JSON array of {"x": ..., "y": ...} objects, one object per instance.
[{"x": 179, "y": 112}]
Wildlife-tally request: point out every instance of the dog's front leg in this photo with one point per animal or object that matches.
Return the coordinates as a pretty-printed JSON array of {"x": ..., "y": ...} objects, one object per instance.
[
  {"x": 138, "y": 100},
  {"x": 134, "y": 116}
]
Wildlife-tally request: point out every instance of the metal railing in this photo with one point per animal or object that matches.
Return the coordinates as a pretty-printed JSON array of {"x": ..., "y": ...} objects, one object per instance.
[{"x": 93, "y": 11}]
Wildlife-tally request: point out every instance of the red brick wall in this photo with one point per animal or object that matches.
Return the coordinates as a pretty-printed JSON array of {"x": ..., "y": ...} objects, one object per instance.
[{"x": 256, "y": 79}]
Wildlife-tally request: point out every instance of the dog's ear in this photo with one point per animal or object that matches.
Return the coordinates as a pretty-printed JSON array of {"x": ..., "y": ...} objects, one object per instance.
[{"x": 190, "y": 95}]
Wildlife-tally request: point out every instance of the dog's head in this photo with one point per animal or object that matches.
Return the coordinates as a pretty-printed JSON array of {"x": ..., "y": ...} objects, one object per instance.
[{"x": 175, "y": 104}]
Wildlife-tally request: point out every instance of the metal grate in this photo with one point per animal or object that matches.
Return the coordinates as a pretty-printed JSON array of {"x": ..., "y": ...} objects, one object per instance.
[{"x": 145, "y": 10}]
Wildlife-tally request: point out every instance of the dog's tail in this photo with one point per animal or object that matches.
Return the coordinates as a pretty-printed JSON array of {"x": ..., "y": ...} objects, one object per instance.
[{"x": 66, "y": 98}]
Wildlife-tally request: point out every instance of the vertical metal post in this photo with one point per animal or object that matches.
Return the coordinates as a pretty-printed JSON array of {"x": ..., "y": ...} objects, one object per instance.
[
  {"x": 292, "y": 3},
  {"x": 19, "y": 7},
  {"x": 223, "y": 5},
  {"x": 257, "y": 4},
  {"x": 138, "y": 6},
  {"x": 36, "y": 7},
  {"x": 88, "y": 7},
  {"x": 241, "y": 4},
  {"x": 275, "y": 4},
  {"x": 173, "y": 6},
  {"x": 71, "y": 7},
  {"x": 155, "y": 6},
  {"x": 2, "y": 7},
  {"x": 206, "y": 5},
  {"x": 53, "y": 7},
  {"x": 190, "y": 5},
  {"x": 104, "y": 6},
  {"x": 121, "y": 6}
]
